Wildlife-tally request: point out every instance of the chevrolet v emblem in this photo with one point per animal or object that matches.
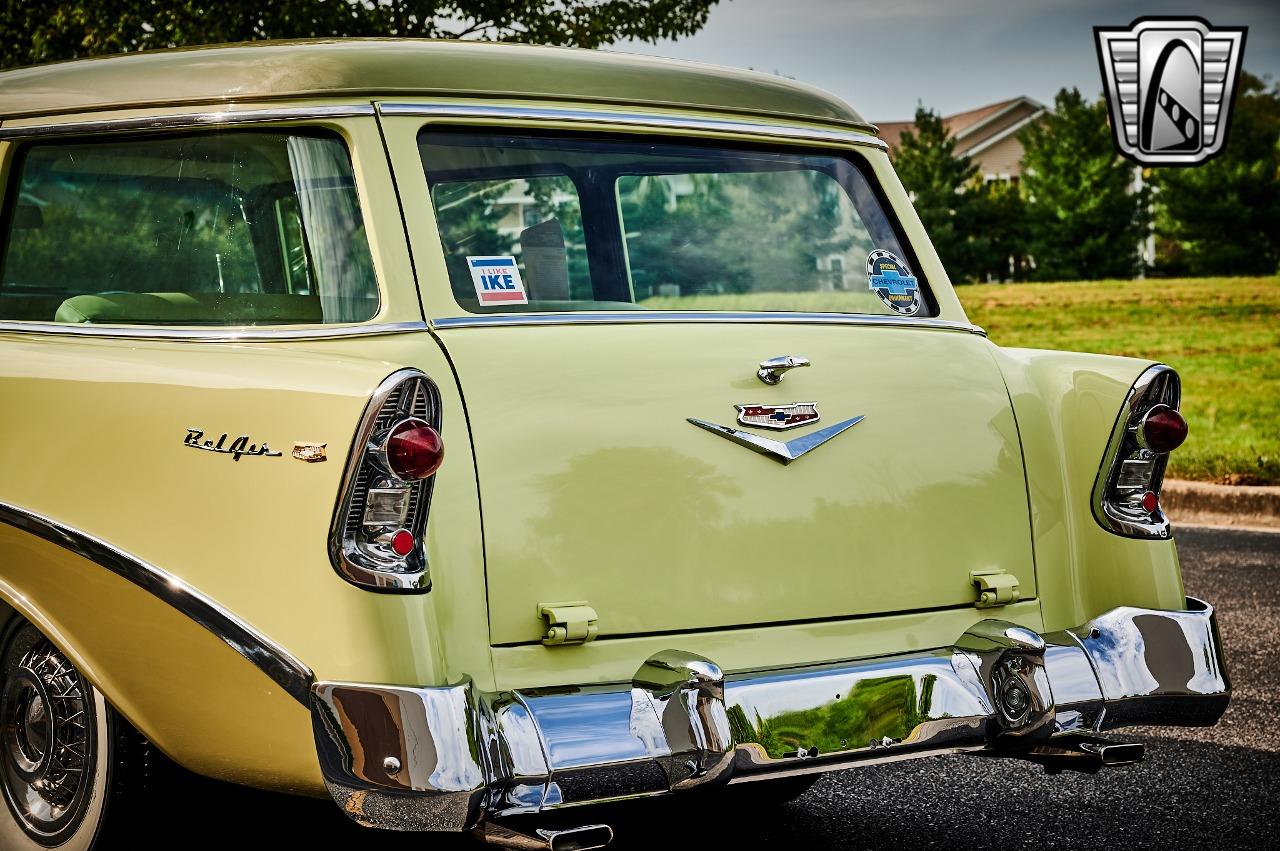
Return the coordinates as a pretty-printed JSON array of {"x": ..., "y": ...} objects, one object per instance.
[{"x": 776, "y": 449}]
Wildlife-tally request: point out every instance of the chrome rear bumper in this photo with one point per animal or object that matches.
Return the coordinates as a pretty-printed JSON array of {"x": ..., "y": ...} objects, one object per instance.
[{"x": 444, "y": 758}]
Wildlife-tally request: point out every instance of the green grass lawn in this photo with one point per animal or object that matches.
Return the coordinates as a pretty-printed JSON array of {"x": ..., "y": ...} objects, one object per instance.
[{"x": 1221, "y": 334}]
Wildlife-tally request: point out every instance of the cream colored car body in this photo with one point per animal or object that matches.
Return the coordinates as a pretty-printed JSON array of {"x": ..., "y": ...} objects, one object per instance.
[{"x": 92, "y": 421}]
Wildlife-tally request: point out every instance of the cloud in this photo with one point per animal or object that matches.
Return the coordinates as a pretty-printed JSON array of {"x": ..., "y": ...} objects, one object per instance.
[{"x": 883, "y": 57}]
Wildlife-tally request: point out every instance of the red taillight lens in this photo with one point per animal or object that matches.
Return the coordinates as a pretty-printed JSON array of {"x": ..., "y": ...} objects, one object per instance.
[
  {"x": 414, "y": 450},
  {"x": 1162, "y": 430},
  {"x": 402, "y": 542}
]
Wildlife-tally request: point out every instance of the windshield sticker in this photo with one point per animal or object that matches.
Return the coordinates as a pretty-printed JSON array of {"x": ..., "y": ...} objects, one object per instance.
[
  {"x": 891, "y": 279},
  {"x": 497, "y": 280}
]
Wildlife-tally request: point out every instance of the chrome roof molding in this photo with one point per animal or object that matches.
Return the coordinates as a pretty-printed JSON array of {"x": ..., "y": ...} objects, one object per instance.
[
  {"x": 186, "y": 121},
  {"x": 648, "y": 120},
  {"x": 656, "y": 316},
  {"x": 214, "y": 334},
  {"x": 274, "y": 661}
]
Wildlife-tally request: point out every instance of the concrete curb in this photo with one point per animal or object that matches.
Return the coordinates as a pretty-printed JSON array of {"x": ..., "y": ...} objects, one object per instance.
[{"x": 1204, "y": 504}]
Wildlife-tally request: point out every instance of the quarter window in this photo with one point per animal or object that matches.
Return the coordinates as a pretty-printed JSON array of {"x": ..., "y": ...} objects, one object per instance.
[{"x": 221, "y": 228}]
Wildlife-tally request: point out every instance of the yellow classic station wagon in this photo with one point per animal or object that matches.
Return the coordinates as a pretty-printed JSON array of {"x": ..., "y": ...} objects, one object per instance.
[{"x": 467, "y": 431}]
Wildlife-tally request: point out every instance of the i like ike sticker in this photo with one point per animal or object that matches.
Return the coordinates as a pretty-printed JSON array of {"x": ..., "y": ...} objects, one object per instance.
[{"x": 497, "y": 280}]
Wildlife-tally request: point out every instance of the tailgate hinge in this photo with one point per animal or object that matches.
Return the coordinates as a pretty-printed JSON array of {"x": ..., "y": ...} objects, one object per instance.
[
  {"x": 994, "y": 588},
  {"x": 568, "y": 623}
]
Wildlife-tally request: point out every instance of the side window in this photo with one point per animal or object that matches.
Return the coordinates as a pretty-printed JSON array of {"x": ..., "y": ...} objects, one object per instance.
[
  {"x": 535, "y": 220},
  {"x": 221, "y": 228},
  {"x": 726, "y": 233}
]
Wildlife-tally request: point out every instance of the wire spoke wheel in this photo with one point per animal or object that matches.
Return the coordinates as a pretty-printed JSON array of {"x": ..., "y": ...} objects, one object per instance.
[{"x": 48, "y": 740}]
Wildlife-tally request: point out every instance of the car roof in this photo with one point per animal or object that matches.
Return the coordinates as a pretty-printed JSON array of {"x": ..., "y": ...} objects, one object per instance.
[{"x": 385, "y": 68}]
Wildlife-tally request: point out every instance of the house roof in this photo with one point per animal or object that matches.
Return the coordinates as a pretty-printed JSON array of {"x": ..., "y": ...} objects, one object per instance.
[
  {"x": 964, "y": 122},
  {"x": 967, "y": 127},
  {"x": 378, "y": 68},
  {"x": 891, "y": 131}
]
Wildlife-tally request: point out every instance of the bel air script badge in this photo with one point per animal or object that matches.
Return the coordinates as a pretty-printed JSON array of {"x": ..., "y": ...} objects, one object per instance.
[
  {"x": 237, "y": 448},
  {"x": 778, "y": 417}
]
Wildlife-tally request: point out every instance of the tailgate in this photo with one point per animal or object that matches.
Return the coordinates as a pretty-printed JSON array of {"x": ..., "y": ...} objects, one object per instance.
[{"x": 595, "y": 486}]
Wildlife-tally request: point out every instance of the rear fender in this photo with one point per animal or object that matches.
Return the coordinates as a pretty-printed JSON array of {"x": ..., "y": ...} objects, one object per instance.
[
  {"x": 197, "y": 699},
  {"x": 1066, "y": 405},
  {"x": 94, "y": 452}
]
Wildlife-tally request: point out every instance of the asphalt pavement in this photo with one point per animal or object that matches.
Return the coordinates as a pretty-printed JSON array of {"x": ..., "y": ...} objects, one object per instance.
[{"x": 1197, "y": 788}]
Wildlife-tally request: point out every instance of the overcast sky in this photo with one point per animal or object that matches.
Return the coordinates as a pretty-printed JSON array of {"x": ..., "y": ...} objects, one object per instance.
[{"x": 882, "y": 56}]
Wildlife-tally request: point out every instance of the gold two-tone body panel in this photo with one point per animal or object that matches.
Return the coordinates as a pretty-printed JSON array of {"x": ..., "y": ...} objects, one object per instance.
[{"x": 196, "y": 590}]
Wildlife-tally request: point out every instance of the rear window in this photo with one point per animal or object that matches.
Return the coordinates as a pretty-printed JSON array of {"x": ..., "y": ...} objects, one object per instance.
[
  {"x": 221, "y": 228},
  {"x": 549, "y": 223}
]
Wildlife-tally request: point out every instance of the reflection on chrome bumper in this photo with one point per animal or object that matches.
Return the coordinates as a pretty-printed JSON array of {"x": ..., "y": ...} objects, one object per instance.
[{"x": 443, "y": 758}]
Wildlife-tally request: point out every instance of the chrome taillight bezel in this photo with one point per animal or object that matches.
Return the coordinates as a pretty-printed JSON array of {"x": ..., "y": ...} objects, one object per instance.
[
  {"x": 405, "y": 394},
  {"x": 1158, "y": 385}
]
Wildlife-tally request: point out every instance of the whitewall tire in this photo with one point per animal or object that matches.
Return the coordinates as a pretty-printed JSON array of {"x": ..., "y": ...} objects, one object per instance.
[{"x": 66, "y": 758}]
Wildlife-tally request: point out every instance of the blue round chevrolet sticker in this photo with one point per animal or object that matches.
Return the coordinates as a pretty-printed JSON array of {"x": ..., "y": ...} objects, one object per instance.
[{"x": 890, "y": 278}]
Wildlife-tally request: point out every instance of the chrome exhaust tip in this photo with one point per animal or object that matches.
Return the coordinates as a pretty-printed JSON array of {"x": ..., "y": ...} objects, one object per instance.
[
  {"x": 1086, "y": 754},
  {"x": 578, "y": 838},
  {"x": 1115, "y": 753},
  {"x": 583, "y": 838}
]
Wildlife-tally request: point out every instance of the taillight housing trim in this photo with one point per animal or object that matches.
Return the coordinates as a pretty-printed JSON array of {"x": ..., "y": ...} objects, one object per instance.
[
  {"x": 1114, "y": 505},
  {"x": 355, "y": 550}
]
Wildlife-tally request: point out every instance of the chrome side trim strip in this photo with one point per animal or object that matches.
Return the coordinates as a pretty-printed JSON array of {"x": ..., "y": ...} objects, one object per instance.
[
  {"x": 642, "y": 316},
  {"x": 274, "y": 661},
  {"x": 215, "y": 335},
  {"x": 633, "y": 119},
  {"x": 185, "y": 121}
]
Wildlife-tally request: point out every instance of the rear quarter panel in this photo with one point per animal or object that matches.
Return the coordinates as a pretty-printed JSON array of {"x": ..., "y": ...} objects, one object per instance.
[
  {"x": 1066, "y": 404},
  {"x": 93, "y": 439}
]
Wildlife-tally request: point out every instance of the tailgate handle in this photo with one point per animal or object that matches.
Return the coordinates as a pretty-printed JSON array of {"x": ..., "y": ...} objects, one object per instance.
[
  {"x": 772, "y": 370},
  {"x": 568, "y": 623},
  {"x": 994, "y": 588}
]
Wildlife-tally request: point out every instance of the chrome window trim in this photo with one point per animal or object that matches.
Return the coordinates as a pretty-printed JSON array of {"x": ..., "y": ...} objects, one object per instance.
[
  {"x": 663, "y": 122},
  {"x": 656, "y": 121},
  {"x": 780, "y": 317},
  {"x": 187, "y": 120},
  {"x": 227, "y": 334},
  {"x": 199, "y": 120},
  {"x": 273, "y": 660},
  {"x": 1102, "y": 512}
]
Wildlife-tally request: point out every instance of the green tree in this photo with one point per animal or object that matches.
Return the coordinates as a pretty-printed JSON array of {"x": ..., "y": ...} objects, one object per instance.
[
  {"x": 34, "y": 32},
  {"x": 729, "y": 232},
  {"x": 937, "y": 179},
  {"x": 555, "y": 197},
  {"x": 998, "y": 233},
  {"x": 468, "y": 215},
  {"x": 1223, "y": 217},
  {"x": 1086, "y": 221}
]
